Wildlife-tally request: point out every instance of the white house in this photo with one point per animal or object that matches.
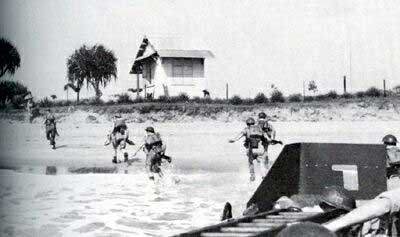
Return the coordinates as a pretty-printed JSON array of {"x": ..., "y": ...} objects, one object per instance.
[{"x": 169, "y": 71}]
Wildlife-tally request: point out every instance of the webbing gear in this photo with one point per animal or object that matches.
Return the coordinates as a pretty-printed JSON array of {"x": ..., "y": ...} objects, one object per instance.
[
  {"x": 254, "y": 136},
  {"x": 153, "y": 141}
]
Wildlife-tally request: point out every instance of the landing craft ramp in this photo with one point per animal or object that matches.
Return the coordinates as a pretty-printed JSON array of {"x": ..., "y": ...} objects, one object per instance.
[{"x": 307, "y": 168}]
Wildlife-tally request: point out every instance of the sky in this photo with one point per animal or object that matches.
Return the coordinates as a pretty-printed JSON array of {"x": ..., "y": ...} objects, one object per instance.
[{"x": 256, "y": 43}]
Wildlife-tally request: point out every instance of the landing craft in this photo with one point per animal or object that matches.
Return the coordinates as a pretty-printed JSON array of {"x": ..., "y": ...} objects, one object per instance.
[{"x": 306, "y": 169}]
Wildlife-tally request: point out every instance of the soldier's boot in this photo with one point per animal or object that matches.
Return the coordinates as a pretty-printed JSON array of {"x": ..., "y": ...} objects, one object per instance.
[
  {"x": 266, "y": 166},
  {"x": 114, "y": 160}
]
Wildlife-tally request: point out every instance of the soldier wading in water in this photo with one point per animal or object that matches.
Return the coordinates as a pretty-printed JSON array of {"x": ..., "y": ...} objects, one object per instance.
[
  {"x": 155, "y": 152},
  {"x": 256, "y": 143},
  {"x": 51, "y": 128}
]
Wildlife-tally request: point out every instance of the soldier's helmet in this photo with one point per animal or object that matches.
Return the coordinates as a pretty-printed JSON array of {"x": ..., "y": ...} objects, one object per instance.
[
  {"x": 150, "y": 129},
  {"x": 337, "y": 197},
  {"x": 262, "y": 115},
  {"x": 389, "y": 140},
  {"x": 250, "y": 121},
  {"x": 304, "y": 229}
]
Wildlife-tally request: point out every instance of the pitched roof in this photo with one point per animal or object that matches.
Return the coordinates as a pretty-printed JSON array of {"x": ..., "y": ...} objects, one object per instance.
[
  {"x": 165, "y": 49},
  {"x": 180, "y": 53}
]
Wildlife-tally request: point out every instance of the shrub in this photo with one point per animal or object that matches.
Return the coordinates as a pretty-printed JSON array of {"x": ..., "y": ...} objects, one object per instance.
[
  {"x": 197, "y": 99},
  {"x": 308, "y": 98},
  {"x": 248, "y": 101},
  {"x": 320, "y": 97},
  {"x": 138, "y": 100},
  {"x": 164, "y": 99},
  {"x": 62, "y": 103},
  {"x": 373, "y": 92},
  {"x": 45, "y": 103},
  {"x": 218, "y": 101},
  {"x": 332, "y": 95},
  {"x": 9, "y": 90},
  {"x": 95, "y": 101},
  {"x": 277, "y": 96},
  {"x": 235, "y": 100},
  {"x": 260, "y": 98},
  {"x": 347, "y": 96},
  {"x": 183, "y": 97},
  {"x": 123, "y": 98},
  {"x": 360, "y": 94},
  {"x": 295, "y": 98}
]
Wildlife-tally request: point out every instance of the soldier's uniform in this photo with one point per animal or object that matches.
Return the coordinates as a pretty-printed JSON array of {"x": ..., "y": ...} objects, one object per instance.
[
  {"x": 393, "y": 160},
  {"x": 256, "y": 147},
  {"x": 51, "y": 129},
  {"x": 155, "y": 152}
]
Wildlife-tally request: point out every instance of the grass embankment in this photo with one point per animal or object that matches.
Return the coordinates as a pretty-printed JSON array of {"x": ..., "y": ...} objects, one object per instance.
[{"x": 367, "y": 108}]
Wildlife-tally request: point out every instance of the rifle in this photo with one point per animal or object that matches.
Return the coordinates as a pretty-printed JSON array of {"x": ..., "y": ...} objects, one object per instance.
[{"x": 274, "y": 142}]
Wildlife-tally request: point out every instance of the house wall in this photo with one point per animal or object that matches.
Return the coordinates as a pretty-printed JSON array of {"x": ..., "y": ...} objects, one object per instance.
[
  {"x": 172, "y": 76},
  {"x": 184, "y": 75}
]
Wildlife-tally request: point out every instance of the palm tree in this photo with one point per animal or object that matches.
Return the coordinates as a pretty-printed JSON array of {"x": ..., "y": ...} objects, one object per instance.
[
  {"x": 9, "y": 57},
  {"x": 94, "y": 65}
]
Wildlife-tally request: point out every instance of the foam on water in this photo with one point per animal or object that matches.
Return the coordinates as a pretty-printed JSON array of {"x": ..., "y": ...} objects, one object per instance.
[{"x": 115, "y": 204}]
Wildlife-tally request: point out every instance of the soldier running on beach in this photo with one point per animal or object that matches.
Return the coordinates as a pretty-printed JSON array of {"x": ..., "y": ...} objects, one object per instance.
[
  {"x": 119, "y": 137},
  {"x": 254, "y": 138},
  {"x": 51, "y": 128}
]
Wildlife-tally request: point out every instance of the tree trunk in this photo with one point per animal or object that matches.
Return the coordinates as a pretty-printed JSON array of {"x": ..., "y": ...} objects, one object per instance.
[
  {"x": 77, "y": 97},
  {"x": 96, "y": 86}
]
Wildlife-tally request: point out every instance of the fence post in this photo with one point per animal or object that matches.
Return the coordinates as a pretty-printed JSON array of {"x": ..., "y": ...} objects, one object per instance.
[
  {"x": 384, "y": 88},
  {"x": 344, "y": 85},
  {"x": 137, "y": 86},
  {"x": 227, "y": 91}
]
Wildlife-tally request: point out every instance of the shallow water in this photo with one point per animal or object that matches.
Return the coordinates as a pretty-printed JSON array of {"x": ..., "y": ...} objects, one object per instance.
[
  {"x": 115, "y": 204},
  {"x": 207, "y": 171}
]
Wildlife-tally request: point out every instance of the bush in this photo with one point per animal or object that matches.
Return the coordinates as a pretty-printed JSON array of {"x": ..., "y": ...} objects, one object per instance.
[
  {"x": 218, "y": 101},
  {"x": 320, "y": 97},
  {"x": 235, "y": 100},
  {"x": 123, "y": 98},
  {"x": 45, "y": 103},
  {"x": 277, "y": 96},
  {"x": 373, "y": 92},
  {"x": 308, "y": 98},
  {"x": 360, "y": 94},
  {"x": 183, "y": 97},
  {"x": 95, "y": 101},
  {"x": 248, "y": 101},
  {"x": 295, "y": 98},
  {"x": 347, "y": 96},
  {"x": 10, "y": 90},
  {"x": 164, "y": 99},
  {"x": 197, "y": 99},
  {"x": 260, "y": 98},
  {"x": 332, "y": 95}
]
